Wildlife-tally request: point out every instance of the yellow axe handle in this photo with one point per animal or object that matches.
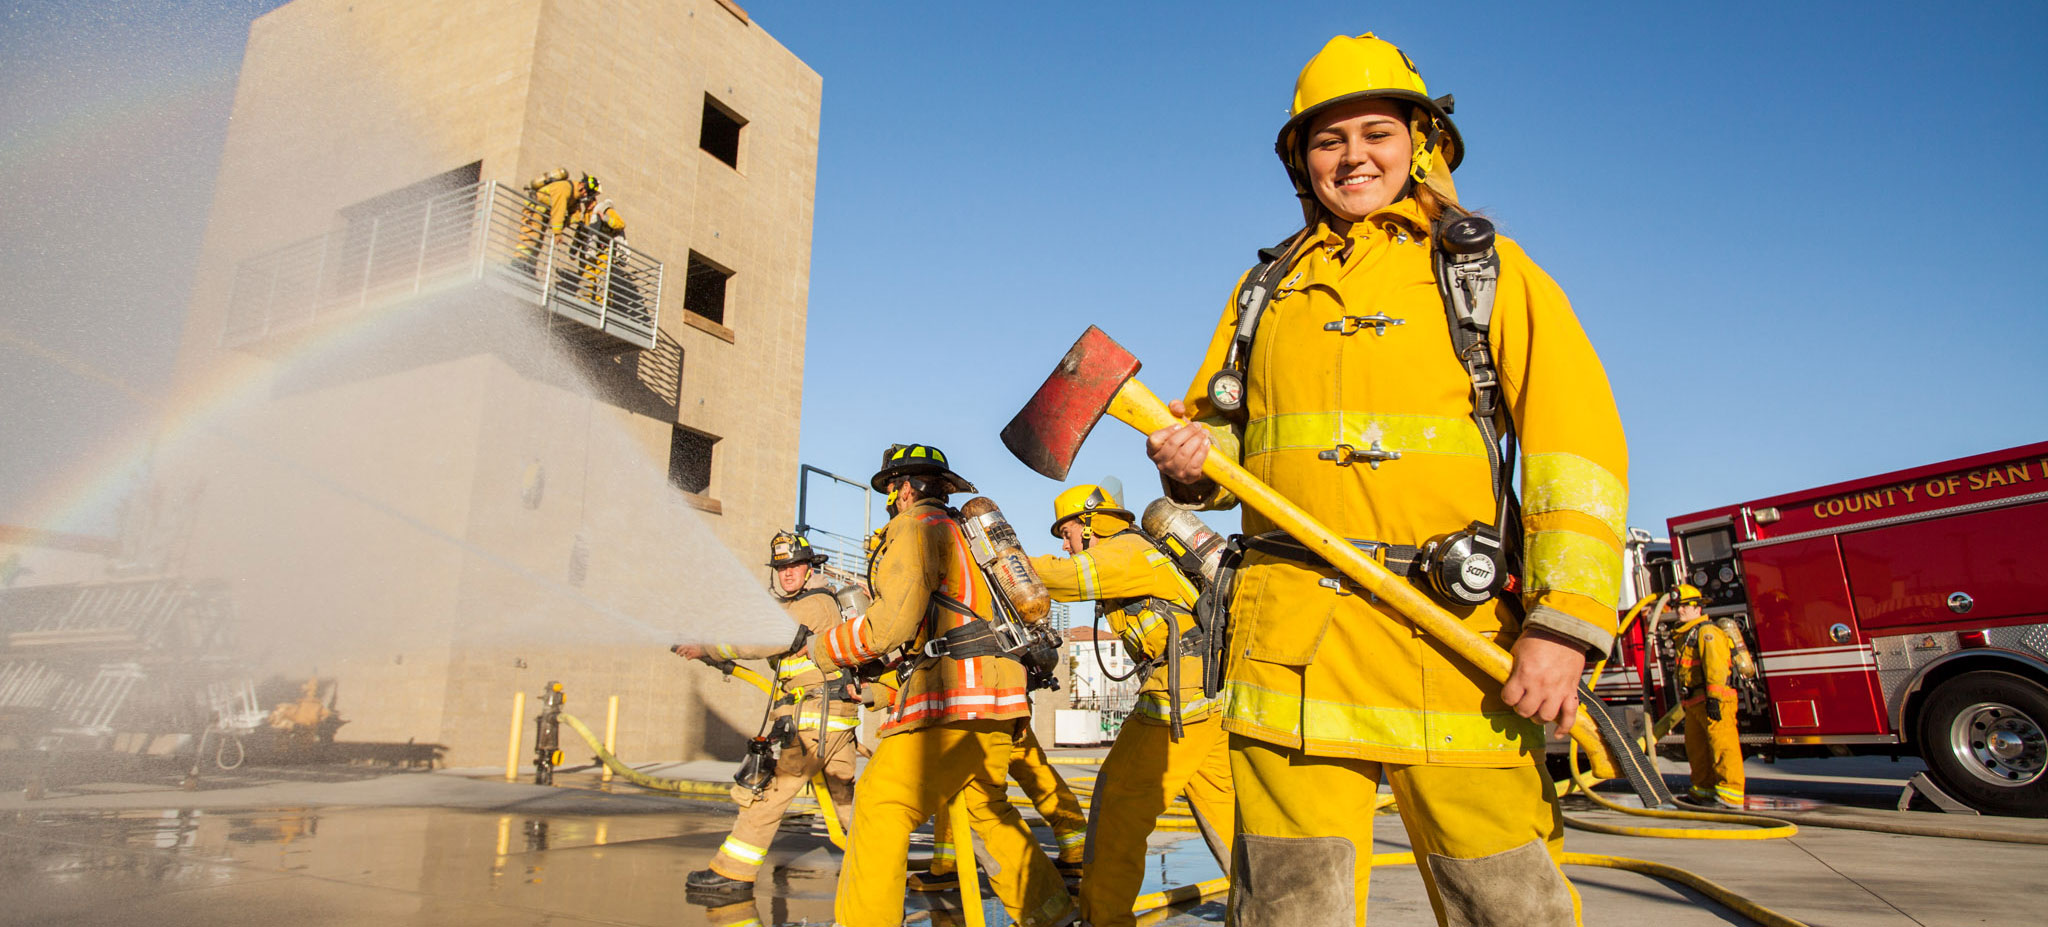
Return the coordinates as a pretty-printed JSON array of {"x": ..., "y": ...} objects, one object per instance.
[{"x": 1136, "y": 406}]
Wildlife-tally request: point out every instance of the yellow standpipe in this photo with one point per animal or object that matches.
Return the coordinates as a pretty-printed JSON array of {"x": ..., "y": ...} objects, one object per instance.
[
  {"x": 518, "y": 724},
  {"x": 611, "y": 732}
]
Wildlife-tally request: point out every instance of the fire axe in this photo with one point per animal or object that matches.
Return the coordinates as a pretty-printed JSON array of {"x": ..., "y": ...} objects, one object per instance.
[{"x": 1097, "y": 375}]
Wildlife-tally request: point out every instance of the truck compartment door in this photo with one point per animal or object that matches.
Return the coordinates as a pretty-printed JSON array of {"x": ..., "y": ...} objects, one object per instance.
[
  {"x": 1903, "y": 576},
  {"x": 1819, "y": 684}
]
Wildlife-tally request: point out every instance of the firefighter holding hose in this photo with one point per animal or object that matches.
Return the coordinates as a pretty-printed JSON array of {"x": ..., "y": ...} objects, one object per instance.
[
  {"x": 1387, "y": 368},
  {"x": 958, "y": 716},
  {"x": 1706, "y": 675},
  {"x": 1167, "y": 746},
  {"x": 824, "y": 707}
]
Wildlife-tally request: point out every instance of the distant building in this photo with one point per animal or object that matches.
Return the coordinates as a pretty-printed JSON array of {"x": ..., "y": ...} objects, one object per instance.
[
  {"x": 1095, "y": 686},
  {"x": 373, "y": 178}
]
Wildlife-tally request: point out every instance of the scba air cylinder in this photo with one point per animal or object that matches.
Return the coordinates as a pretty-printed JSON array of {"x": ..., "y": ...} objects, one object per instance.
[
  {"x": 996, "y": 549},
  {"x": 1195, "y": 546}
]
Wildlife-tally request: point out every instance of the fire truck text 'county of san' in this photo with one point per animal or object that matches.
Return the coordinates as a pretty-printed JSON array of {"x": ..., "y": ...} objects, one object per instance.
[{"x": 1903, "y": 612}]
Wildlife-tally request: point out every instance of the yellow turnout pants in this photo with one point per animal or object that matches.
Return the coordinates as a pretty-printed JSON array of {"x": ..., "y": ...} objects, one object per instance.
[
  {"x": 1144, "y": 771},
  {"x": 740, "y": 856},
  {"x": 911, "y": 777},
  {"x": 1048, "y": 793},
  {"x": 1486, "y": 840},
  {"x": 1714, "y": 748}
]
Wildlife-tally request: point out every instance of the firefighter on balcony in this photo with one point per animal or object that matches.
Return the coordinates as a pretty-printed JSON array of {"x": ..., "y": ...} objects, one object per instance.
[
  {"x": 823, "y": 703},
  {"x": 958, "y": 716},
  {"x": 1706, "y": 675},
  {"x": 597, "y": 227},
  {"x": 1047, "y": 792},
  {"x": 550, "y": 200},
  {"x": 1385, "y": 350},
  {"x": 1168, "y": 745}
]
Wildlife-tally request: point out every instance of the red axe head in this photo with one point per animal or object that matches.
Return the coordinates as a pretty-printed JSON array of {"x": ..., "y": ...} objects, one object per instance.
[{"x": 1048, "y": 432}]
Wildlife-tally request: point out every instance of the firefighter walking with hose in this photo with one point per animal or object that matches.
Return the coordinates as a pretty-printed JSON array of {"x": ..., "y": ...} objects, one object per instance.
[
  {"x": 1388, "y": 368},
  {"x": 1173, "y": 741},
  {"x": 1706, "y": 677},
  {"x": 821, "y": 704},
  {"x": 960, "y": 711}
]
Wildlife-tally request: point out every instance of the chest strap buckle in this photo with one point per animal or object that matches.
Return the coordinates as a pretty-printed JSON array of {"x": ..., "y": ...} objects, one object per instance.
[
  {"x": 1345, "y": 455},
  {"x": 1353, "y": 324}
]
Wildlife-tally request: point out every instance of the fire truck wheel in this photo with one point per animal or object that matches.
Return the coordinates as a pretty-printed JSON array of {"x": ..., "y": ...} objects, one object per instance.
[{"x": 1985, "y": 735}]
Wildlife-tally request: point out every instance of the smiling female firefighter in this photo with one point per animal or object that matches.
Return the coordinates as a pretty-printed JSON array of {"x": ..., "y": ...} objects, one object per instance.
[{"x": 1382, "y": 369}]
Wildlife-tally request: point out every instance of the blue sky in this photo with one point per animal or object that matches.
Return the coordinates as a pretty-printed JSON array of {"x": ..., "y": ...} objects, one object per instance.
[
  {"x": 1777, "y": 222},
  {"x": 1802, "y": 236}
]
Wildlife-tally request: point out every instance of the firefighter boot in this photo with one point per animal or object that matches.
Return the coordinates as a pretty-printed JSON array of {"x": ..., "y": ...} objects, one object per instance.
[{"x": 706, "y": 886}]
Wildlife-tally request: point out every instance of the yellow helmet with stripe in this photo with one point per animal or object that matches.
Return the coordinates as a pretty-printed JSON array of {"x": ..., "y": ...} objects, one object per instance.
[{"x": 1099, "y": 510}]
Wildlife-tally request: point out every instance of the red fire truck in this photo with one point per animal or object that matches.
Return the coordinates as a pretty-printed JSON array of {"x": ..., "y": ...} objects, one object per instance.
[{"x": 1907, "y": 611}]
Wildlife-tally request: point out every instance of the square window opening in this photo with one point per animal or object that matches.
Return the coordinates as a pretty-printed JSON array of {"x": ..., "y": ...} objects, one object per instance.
[
  {"x": 704, "y": 288},
  {"x": 689, "y": 460},
  {"x": 720, "y": 135}
]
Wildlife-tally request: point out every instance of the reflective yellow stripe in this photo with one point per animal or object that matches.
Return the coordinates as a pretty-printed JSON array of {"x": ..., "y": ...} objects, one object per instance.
[
  {"x": 725, "y": 652},
  {"x": 1567, "y": 561},
  {"x": 1084, "y": 567},
  {"x": 809, "y": 720},
  {"x": 1409, "y": 434},
  {"x": 1159, "y": 706},
  {"x": 1069, "y": 839},
  {"x": 1142, "y": 626},
  {"x": 1560, "y": 482},
  {"x": 743, "y": 851},
  {"x": 1437, "y": 732},
  {"x": 1728, "y": 793},
  {"x": 793, "y": 667}
]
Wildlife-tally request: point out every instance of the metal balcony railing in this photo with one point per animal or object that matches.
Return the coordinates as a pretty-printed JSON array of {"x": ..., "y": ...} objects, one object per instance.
[{"x": 481, "y": 234}]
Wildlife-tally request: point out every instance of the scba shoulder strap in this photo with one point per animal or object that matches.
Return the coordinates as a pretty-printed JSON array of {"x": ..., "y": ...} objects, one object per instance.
[{"x": 1227, "y": 386}]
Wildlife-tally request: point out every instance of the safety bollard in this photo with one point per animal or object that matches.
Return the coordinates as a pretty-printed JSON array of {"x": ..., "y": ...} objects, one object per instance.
[{"x": 518, "y": 724}]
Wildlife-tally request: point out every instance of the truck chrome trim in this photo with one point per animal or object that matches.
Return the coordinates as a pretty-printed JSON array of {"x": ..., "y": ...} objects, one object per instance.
[
  {"x": 1801, "y": 739},
  {"x": 1894, "y": 520},
  {"x": 1847, "y": 659}
]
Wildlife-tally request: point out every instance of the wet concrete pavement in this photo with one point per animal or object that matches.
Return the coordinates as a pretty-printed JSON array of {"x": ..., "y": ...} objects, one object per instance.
[{"x": 289, "y": 847}]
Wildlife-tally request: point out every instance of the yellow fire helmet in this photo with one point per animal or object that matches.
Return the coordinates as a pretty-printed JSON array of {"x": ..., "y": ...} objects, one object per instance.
[
  {"x": 1687, "y": 594},
  {"x": 1087, "y": 501},
  {"x": 790, "y": 549},
  {"x": 1360, "y": 68}
]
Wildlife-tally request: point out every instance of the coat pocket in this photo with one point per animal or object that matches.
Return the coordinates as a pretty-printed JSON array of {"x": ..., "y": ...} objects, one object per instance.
[{"x": 1282, "y": 612}]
